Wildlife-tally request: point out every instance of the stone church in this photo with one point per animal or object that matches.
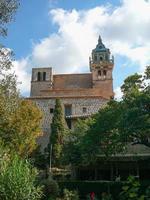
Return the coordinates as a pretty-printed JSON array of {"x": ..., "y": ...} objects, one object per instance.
[{"x": 81, "y": 94}]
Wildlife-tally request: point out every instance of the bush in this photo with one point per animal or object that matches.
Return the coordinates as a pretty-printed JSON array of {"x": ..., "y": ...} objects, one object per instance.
[
  {"x": 70, "y": 195},
  {"x": 98, "y": 187},
  {"x": 131, "y": 190},
  {"x": 17, "y": 179},
  {"x": 51, "y": 188}
]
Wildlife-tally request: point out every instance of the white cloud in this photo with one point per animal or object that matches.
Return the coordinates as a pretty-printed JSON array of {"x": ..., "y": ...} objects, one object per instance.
[
  {"x": 23, "y": 77},
  {"x": 125, "y": 29},
  {"x": 118, "y": 93}
]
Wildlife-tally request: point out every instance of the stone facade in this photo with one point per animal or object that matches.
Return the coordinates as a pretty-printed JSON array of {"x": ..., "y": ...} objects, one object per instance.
[{"x": 81, "y": 94}]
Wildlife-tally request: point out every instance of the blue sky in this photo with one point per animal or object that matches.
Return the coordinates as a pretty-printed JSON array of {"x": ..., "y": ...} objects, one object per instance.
[{"x": 62, "y": 33}]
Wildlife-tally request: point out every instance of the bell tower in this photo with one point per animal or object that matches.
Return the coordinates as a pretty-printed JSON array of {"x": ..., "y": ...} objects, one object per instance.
[{"x": 101, "y": 65}]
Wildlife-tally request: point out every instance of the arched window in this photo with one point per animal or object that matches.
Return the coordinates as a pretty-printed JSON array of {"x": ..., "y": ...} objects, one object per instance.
[
  {"x": 95, "y": 58},
  {"x": 39, "y": 76},
  {"x": 99, "y": 73},
  {"x": 44, "y": 76},
  {"x": 101, "y": 58},
  {"x": 104, "y": 72}
]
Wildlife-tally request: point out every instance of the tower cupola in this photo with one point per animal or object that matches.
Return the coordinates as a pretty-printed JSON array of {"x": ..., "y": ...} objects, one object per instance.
[
  {"x": 101, "y": 65},
  {"x": 101, "y": 53}
]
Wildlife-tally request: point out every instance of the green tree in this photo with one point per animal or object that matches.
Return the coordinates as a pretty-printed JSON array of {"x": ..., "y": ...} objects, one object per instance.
[
  {"x": 135, "y": 122},
  {"x": 115, "y": 125},
  {"x": 58, "y": 132},
  {"x": 131, "y": 86},
  {"x": 73, "y": 152}
]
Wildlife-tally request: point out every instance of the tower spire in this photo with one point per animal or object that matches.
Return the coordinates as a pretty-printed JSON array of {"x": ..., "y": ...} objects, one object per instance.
[{"x": 99, "y": 40}]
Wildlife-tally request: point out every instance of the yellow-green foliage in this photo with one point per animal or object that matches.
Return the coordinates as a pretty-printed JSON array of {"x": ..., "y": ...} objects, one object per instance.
[{"x": 19, "y": 125}]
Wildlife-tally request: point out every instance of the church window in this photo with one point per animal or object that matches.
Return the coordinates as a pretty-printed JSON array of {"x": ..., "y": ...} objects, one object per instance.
[
  {"x": 51, "y": 110},
  {"x": 101, "y": 58},
  {"x": 84, "y": 109},
  {"x": 104, "y": 72},
  {"x": 44, "y": 76},
  {"x": 39, "y": 76},
  {"x": 68, "y": 110},
  {"x": 95, "y": 57},
  {"x": 99, "y": 73}
]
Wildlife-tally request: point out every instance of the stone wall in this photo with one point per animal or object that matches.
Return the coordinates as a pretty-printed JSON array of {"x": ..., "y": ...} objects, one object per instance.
[{"x": 92, "y": 106}]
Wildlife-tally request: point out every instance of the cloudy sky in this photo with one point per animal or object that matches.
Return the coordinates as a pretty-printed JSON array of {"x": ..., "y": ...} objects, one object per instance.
[{"x": 62, "y": 33}]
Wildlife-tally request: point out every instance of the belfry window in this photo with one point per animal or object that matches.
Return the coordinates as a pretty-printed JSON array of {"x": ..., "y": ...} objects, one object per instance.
[
  {"x": 99, "y": 73},
  {"x": 39, "y": 76},
  {"x": 101, "y": 58},
  {"x": 95, "y": 57},
  {"x": 44, "y": 76},
  {"x": 104, "y": 72}
]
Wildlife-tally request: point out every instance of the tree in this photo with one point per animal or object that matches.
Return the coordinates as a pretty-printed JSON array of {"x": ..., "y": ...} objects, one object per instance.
[
  {"x": 7, "y": 11},
  {"x": 115, "y": 125},
  {"x": 73, "y": 151},
  {"x": 132, "y": 85},
  {"x": 19, "y": 125},
  {"x": 58, "y": 132},
  {"x": 136, "y": 112}
]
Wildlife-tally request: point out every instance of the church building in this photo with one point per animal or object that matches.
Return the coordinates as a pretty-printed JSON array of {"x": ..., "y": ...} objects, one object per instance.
[{"x": 81, "y": 94}]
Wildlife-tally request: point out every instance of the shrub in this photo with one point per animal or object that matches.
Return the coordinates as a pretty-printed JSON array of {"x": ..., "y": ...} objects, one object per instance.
[
  {"x": 98, "y": 187},
  {"x": 17, "y": 179},
  {"x": 51, "y": 188},
  {"x": 70, "y": 195},
  {"x": 131, "y": 189}
]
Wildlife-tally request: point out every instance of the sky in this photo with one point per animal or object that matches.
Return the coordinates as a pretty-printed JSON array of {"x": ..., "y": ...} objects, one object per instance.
[{"x": 62, "y": 33}]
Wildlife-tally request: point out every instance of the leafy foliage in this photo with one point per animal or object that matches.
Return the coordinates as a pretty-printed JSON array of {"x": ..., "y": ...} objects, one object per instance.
[
  {"x": 69, "y": 195},
  {"x": 7, "y": 11},
  {"x": 114, "y": 126},
  {"x": 51, "y": 188},
  {"x": 73, "y": 148},
  {"x": 17, "y": 178},
  {"x": 130, "y": 190},
  {"x": 58, "y": 132},
  {"x": 19, "y": 124}
]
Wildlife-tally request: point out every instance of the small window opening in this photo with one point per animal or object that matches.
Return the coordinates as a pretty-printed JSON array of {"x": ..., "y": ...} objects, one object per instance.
[
  {"x": 39, "y": 76},
  {"x": 95, "y": 57},
  {"x": 51, "y": 110},
  {"x": 84, "y": 109},
  {"x": 68, "y": 110},
  {"x": 44, "y": 76},
  {"x": 104, "y": 72},
  {"x": 99, "y": 73},
  {"x": 101, "y": 58}
]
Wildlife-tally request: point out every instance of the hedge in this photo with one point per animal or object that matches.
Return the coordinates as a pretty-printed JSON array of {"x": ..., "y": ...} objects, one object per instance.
[{"x": 98, "y": 187}]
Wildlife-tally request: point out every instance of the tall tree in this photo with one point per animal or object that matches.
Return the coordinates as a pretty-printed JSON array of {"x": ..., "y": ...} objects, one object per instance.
[{"x": 58, "y": 132}]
